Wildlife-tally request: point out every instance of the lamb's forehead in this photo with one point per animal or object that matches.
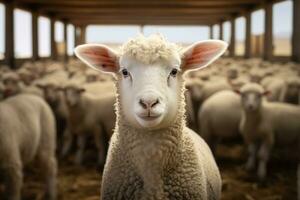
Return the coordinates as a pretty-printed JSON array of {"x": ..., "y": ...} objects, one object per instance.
[
  {"x": 253, "y": 88},
  {"x": 150, "y": 50}
]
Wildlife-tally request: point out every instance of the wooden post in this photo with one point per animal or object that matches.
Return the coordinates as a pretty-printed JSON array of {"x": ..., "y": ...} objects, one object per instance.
[
  {"x": 296, "y": 32},
  {"x": 66, "y": 41},
  {"x": 76, "y": 35},
  {"x": 52, "y": 39},
  {"x": 9, "y": 35},
  {"x": 81, "y": 36},
  {"x": 232, "y": 39},
  {"x": 248, "y": 35},
  {"x": 221, "y": 35},
  {"x": 268, "y": 37},
  {"x": 35, "y": 41},
  {"x": 211, "y": 32}
]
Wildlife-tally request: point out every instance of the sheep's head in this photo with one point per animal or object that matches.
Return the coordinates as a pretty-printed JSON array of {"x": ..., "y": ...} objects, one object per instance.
[
  {"x": 11, "y": 83},
  {"x": 293, "y": 87},
  {"x": 149, "y": 74},
  {"x": 51, "y": 91},
  {"x": 252, "y": 96},
  {"x": 73, "y": 94}
]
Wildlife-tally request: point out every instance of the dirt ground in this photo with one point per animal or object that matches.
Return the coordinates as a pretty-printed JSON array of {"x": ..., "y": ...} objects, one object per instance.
[{"x": 83, "y": 183}]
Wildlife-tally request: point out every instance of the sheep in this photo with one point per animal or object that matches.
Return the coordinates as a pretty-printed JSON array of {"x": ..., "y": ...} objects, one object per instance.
[
  {"x": 88, "y": 113},
  {"x": 54, "y": 96},
  {"x": 291, "y": 93},
  {"x": 199, "y": 91},
  {"x": 11, "y": 84},
  {"x": 27, "y": 131},
  {"x": 265, "y": 125},
  {"x": 152, "y": 154},
  {"x": 14, "y": 86},
  {"x": 276, "y": 86},
  {"x": 91, "y": 76},
  {"x": 2, "y": 90},
  {"x": 219, "y": 118}
]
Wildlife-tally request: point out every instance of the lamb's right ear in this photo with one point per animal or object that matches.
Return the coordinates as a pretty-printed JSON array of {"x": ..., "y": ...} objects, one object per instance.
[
  {"x": 201, "y": 54},
  {"x": 99, "y": 57}
]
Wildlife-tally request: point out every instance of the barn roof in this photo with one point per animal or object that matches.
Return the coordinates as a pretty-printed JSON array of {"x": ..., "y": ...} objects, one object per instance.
[{"x": 142, "y": 12}]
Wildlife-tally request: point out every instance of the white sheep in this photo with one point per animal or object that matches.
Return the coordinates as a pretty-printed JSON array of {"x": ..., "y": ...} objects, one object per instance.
[
  {"x": 219, "y": 117},
  {"x": 27, "y": 132},
  {"x": 53, "y": 94},
  {"x": 276, "y": 86},
  {"x": 291, "y": 93},
  {"x": 88, "y": 114},
  {"x": 265, "y": 125},
  {"x": 13, "y": 85},
  {"x": 152, "y": 154}
]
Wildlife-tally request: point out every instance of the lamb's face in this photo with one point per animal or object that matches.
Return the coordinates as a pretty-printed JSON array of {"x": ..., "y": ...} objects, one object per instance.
[
  {"x": 150, "y": 93},
  {"x": 149, "y": 73},
  {"x": 51, "y": 93},
  {"x": 252, "y": 96},
  {"x": 73, "y": 95},
  {"x": 251, "y": 101},
  {"x": 12, "y": 86},
  {"x": 293, "y": 89}
]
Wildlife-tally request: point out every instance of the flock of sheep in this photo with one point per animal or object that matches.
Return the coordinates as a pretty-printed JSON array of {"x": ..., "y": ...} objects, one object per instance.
[{"x": 142, "y": 109}]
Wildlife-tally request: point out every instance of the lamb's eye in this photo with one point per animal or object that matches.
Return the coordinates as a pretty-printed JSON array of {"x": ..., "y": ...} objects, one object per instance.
[
  {"x": 174, "y": 72},
  {"x": 125, "y": 73}
]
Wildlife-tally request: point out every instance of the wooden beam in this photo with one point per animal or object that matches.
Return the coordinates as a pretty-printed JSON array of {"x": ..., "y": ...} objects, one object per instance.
[
  {"x": 81, "y": 38},
  {"x": 221, "y": 32},
  {"x": 296, "y": 32},
  {"x": 52, "y": 39},
  {"x": 248, "y": 35},
  {"x": 268, "y": 37},
  {"x": 139, "y": 11},
  {"x": 35, "y": 41},
  {"x": 138, "y": 2},
  {"x": 211, "y": 32},
  {"x": 80, "y": 22},
  {"x": 232, "y": 38},
  {"x": 66, "y": 57},
  {"x": 9, "y": 35}
]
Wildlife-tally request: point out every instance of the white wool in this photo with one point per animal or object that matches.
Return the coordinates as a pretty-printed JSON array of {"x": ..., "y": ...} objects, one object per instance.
[{"x": 149, "y": 49}]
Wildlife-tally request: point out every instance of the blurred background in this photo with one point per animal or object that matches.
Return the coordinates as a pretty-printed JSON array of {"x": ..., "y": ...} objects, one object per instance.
[{"x": 37, "y": 40}]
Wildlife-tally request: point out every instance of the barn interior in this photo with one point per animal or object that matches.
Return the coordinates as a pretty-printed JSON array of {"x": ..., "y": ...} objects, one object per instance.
[{"x": 37, "y": 41}]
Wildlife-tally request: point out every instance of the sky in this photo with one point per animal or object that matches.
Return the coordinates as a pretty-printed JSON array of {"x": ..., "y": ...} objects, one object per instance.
[
  {"x": 117, "y": 34},
  {"x": 43, "y": 35}
]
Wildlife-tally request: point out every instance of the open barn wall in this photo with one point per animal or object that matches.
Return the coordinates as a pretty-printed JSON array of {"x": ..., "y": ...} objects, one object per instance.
[{"x": 156, "y": 12}]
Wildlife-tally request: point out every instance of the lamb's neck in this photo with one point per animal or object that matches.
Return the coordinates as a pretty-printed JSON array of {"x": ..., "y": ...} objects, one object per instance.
[
  {"x": 150, "y": 144},
  {"x": 253, "y": 116},
  {"x": 151, "y": 152}
]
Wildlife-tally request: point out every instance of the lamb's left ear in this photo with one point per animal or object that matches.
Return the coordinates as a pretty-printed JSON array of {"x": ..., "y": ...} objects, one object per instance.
[
  {"x": 201, "y": 54},
  {"x": 99, "y": 57}
]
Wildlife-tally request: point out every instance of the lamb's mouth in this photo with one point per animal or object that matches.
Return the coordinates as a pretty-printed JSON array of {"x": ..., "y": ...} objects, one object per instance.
[{"x": 149, "y": 117}]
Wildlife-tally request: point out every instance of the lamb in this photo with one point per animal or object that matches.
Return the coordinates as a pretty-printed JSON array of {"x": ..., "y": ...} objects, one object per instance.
[
  {"x": 276, "y": 86},
  {"x": 199, "y": 91},
  {"x": 88, "y": 113},
  {"x": 27, "y": 131},
  {"x": 13, "y": 86},
  {"x": 291, "y": 93},
  {"x": 219, "y": 118},
  {"x": 54, "y": 96},
  {"x": 152, "y": 154},
  {"x": 265, "y": 125},
  {"x": 2, "y": 90}
]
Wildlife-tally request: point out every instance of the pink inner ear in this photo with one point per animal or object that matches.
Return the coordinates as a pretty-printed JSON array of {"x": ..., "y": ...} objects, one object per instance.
[
  {"x": 100, "y": 57},
  {"x": 202, "y": 54}
]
